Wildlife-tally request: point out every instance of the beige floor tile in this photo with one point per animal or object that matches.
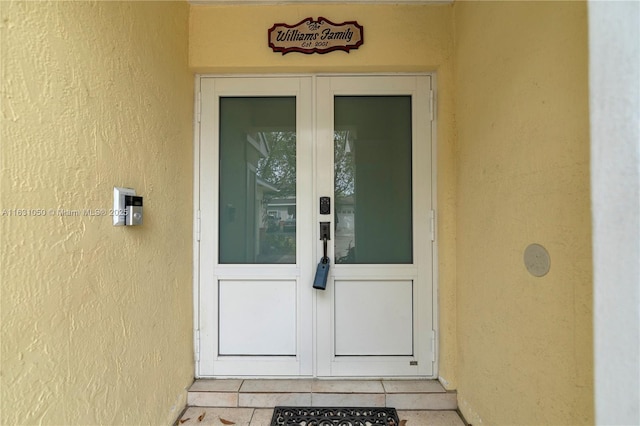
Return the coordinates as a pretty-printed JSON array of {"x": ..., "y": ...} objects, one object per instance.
[
  {"x": 430, "y": 418},
  {"x": 412, "y": 386},
  {"x": 348, "y": 400},
  {"x": 212, "y": 399},
  {"x": 347, "y": 386},
  {"x": 270, "y": 400},
  {"x": 214, "y": 416},
  {"x": 261, "y": 417},
  {"x": 276, "y": 385},
  {"x": 422, "y": 401},
  {"x": 216, "y": 385}
]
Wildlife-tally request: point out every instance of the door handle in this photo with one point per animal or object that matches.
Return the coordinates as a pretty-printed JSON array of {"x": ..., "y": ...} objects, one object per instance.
[{"x": 322, "y": 272}]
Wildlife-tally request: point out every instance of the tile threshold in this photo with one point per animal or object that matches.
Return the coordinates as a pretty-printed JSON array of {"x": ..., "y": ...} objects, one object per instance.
[{"x": 268, "y": 393}]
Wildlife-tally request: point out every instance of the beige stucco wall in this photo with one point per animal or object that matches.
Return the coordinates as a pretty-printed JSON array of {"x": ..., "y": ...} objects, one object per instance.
[
  {"x": 96, "y": 320},
  {"x": 398, "y": 38},
  {"x": 525, "y": 343}
]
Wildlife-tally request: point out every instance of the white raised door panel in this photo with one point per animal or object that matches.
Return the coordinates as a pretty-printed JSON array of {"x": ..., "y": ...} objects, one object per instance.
[
  {"x": 257, "y": 317},
  {"x": 373, "y": 318}
]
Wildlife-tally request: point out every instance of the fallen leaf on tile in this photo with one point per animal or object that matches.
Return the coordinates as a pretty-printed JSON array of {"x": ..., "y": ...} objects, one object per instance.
[
  {"x": 403, "y": 422},
  {"x": 202, "y": 416},
  {"x": 185, "y": 420},
  {"x": 226, "y": 422}
]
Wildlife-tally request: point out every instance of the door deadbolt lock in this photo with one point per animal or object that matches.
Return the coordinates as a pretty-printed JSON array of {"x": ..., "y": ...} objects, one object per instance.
[
  {"x": 325, "y": 205},
  {"x": 325, "y": 230}
]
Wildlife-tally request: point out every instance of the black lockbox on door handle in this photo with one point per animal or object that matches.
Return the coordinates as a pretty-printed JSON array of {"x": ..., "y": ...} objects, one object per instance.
[{"x": 322, "y": 273}]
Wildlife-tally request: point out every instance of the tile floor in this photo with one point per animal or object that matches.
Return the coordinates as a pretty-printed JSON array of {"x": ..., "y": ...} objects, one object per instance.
[
  {"x": 251, "y": 402},
  {"x": 204, "y": 416}
]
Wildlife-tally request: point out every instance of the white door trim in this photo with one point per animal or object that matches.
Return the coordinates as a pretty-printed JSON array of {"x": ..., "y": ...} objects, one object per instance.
[{"x": 197, "y": 292}]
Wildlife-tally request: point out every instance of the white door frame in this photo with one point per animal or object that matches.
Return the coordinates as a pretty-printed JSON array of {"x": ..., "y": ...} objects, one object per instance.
[{"x": 429, "y": 216}]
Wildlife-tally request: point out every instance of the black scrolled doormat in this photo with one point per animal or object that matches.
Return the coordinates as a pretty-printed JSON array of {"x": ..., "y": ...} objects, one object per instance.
[{"x": 334, "y": 416}]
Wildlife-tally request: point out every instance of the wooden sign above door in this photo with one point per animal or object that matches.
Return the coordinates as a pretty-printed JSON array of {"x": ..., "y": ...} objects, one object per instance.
[{"x": 321, "y": 36}]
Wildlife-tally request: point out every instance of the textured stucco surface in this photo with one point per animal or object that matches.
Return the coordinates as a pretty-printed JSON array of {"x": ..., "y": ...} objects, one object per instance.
[
  {"x": 525, "y": 343},
  {"x": 398, "y": 38},
  {"x": 96, "y": 320}
]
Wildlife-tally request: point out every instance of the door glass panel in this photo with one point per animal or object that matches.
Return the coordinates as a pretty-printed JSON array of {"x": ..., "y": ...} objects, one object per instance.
[
  {"x": 257, "y": 212},
  {"x": 372, "y": 184}
]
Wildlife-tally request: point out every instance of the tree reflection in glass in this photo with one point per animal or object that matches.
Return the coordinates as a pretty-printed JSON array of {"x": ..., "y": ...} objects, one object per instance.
[
  {"x": 372, "y": 179},
  {"x": 257, "y": 211}
]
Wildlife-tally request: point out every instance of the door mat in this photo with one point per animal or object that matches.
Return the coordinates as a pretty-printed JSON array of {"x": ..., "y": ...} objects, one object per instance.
[{"x": 334, "y": 416}]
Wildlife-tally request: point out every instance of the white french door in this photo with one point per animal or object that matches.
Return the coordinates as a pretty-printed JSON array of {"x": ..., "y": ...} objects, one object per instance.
[{"x": 269, "y": 149}]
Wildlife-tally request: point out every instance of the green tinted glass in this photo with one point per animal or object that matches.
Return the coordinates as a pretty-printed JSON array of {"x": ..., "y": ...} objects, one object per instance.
[
  {"x": 372, "y": 157},
  {"x": 257, "y": 213}
]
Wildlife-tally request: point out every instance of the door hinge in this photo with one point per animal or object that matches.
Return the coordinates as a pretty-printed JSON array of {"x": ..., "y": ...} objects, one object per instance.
[
  {"x": 197, "y": 345},
  {"x": 432, "y": 224},
  {"x": 198, "y": 106},
  {"x": 198, "y": 225},
  {"x": 431, "y": 105},
  {"x": 433, "y": 345}
]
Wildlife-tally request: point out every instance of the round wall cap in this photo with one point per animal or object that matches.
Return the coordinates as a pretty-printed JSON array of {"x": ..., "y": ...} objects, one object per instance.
[{"x": 537, "y": 260}]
